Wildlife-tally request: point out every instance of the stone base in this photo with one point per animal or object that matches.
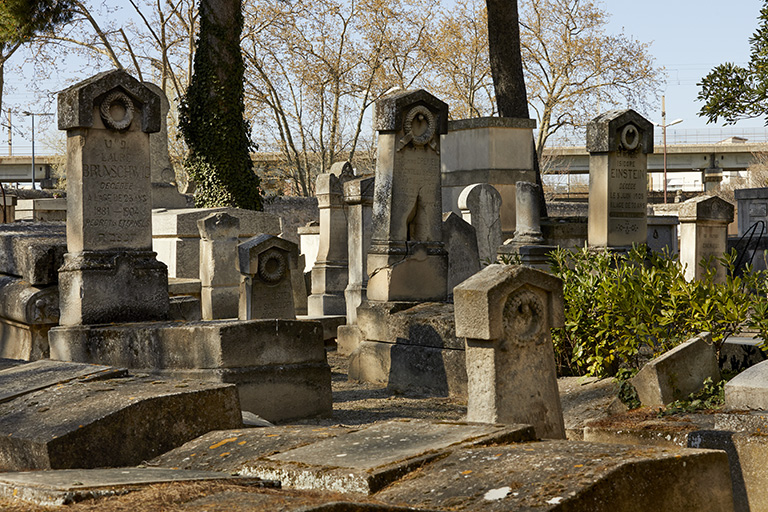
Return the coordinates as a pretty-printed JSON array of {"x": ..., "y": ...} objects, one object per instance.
[
  {"x": 354, "y": 296},
  {"x": 326, "y": 304},
  {"x": 410, "y": 348},
  {"x": 279, "y": 366},
  {"x": 166, "y": 195},
  {"x": 536, "y": 256},
  {"x": 393, "y": 274},
  {"x": 23, "y": 341},
  {"x": 115, "y": 286},
  {"x": 218, "y": 303}
]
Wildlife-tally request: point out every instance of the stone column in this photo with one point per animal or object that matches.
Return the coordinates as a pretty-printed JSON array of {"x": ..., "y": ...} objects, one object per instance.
[
  {"x": 618, "y": 142},
  {"x": 329, "y": 274},
  {"x": 219, "y": 278},
  {"x": 407, "y": 260},
  {"x": 505, "y": 313},
  {"x": 110, "y": 273},
  {"x": 358, "y": 196},
  {"x": 704, "y": 234},
  {"x": 480, "y": 205},
  {"x": 528, "y": 219},
  {"x": 165, "y": 194},
  {"x": 266, "y": 263}
]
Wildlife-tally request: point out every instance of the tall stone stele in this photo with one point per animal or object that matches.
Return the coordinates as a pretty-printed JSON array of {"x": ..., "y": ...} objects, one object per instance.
[
  {"x": 704, "y": 235},
  {"x": 618, "y": 142},
  {"x": 407, "y": 260},
  {"x": 506, "y": 312},
  {"x": 110, "y": 273}
]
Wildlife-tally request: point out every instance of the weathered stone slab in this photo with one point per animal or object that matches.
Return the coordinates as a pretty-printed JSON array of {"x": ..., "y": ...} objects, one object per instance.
[
  {"x": 288, "y": 502},
  {"x": 704, "y": 234},
  {"x": 678, "y": 372},
  {"x": 67, "y": 486},
  {"x": 33, "y": 251},
  {"x": 566, "y": 476},
  {"x": 429, "y": 324},
  {"x": 108, "y": 423},
  {"x": 19, "y": 380},
  {"x": 28, "y": 304},
  {"x": 460, "y": 241},
  {"x": 367, "y": 460},
  {"x": 749, "y": 389}
]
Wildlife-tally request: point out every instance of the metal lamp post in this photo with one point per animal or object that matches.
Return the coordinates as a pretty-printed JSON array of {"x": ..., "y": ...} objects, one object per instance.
[
  {"x": 33, "y": 114},
  {"x": 664, "y": 127}
]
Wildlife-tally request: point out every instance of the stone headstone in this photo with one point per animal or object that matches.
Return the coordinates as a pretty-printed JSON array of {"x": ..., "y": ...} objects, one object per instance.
[
  {"x": 266, "y": 263},
  {"x": 165, "y": 193},
  {"x": 752, "y": 207},
  {"x": 506, "y": 313},
  {"x": 309, "y": 243},
  {"x": 704, "y": 234},
  {"x": 329, "y": 274},
  {"x": 407, "y": 260},
  {"x": 358, "y": 196},
  {"x": 480, "y": 205},
  {"x": 662, "y": 233},
  {"x": 461, "y": 243},
  {"x": 618, "y": 142},
  {"x": 219, "y": 278},
  {"x": 528, "y": 219},
  {"x": 110, "y": 273}
]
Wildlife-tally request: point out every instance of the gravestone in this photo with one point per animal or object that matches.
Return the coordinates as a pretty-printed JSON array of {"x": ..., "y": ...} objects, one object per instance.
[
  {"x": 219, "y": 278},
  {"x": 329, "y": 274},
  {"x": 528, "y": 219},
  {"x": 110, "y": 273},
  {"x": 506, "y": 313},
  {"x": 309, "y": 243},
  {"x": 480, "y": 205},
  {"x": 662, "y": 233},
  {"x": 165, "y": 194},
  {"x": 358, "y": 196},
  {"x": 752, "y": 207},
  {"x": 704, "y": 234},
  {"x": 407, "y": 260},
  {"x": 461, "y": 243},
  {"x": 618, "y": 142},
  {"x": 266, "y": 263}
]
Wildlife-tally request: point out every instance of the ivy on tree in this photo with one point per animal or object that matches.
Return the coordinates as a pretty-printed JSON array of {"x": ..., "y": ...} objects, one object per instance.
[
  {"x": 212, "y": 113},
  {"x": 732, "y": 92}
]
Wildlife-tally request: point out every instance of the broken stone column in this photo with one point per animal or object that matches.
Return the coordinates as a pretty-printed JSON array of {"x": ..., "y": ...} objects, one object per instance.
[
  {"x": 358, "y": 196},
  {"x": 618, "y": 142},
  {"x": 505, "y": 312},
  {"x": 165, "y": 193},
  {"x": 219, "y": 278},
  {"x": 407, "y": 260},
  {"x": 480, "y": 205},
  {"x": 704, "y": 234},
  {"x": 329, "y": 274},
  {"x": 528, "y": 217},
  {"x": 110, "y": 273},
  {"x": 266, "y": 263}
]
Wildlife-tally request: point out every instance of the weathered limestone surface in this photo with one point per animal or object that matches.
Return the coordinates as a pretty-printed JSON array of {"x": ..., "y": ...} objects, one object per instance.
[
  {"x": 26, "y": 314},
  {"x": 219, "y": 278},
  {"x": 753, "y": 207},
  {"x": 33, "y": 251},
  {"x": 460, "y": 241},
  {"x": 358, "y": 197},
  {"x": 704, "y": 234},
  {"x": 480, "y": 204},
  {"x": 662, "y": 233},
  {"x": 506, "y": 314},
  {"x": 266, "y": 264},
  {"x": 618, "y": 142},
  {"x": 279, "y": 366},
  {"x": 57, "y": 415},
  {"x": 749, "y": 389},
  {"x": 678, "y": 372},
  {"x": 528, "y": 216}
]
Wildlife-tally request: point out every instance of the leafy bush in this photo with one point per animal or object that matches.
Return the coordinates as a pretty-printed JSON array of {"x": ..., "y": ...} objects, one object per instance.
[{"x": 621, "y": 309}]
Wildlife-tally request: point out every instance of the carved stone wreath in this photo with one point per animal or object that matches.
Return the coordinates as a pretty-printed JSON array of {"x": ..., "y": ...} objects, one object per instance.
[
  {"x": 106, "y": 114},
  {"x": 272, "y": 266},
  {"x": 523, "y": 316},
  {"x": 630, "y": 137},
  {"x": 420, "y": 113}
]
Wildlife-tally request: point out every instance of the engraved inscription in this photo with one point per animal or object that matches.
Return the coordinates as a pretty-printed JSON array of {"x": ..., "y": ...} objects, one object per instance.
[{"x": 627, "y": 197}]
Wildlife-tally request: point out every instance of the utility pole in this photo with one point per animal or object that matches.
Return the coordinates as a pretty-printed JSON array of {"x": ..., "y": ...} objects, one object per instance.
[
  {"x": 664, "y": 127},
  {"x": 33, "y": 114}
]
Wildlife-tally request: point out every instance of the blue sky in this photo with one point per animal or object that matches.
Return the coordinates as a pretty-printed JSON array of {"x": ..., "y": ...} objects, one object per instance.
[{"x": 689, "y": 38}]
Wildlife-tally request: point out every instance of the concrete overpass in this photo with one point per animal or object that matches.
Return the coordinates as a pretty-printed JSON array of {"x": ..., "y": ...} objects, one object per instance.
[{"x": 18, "y": 169}]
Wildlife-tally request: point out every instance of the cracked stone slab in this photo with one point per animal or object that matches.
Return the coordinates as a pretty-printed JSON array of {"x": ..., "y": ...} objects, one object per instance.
[
  {"x": 64, "y": 487},
  {"x": 568, "y": 476},
  {"x": 366, "y": 460}
]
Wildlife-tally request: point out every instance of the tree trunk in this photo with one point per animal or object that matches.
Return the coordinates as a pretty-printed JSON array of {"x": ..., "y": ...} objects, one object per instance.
[{"x": 507, "y": 70}]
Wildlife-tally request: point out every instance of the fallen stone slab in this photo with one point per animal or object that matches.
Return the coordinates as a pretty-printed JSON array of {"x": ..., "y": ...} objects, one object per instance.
[
  {"x": 330, "y": 323},
  {"x": 569, "y": 476},
  {"x": 284, "y": 502},
  {"x": 367, "y": 460},
  {"x": 109, "y": 423},
  {"x": 749, "y": 389},
  {"x": 678, "y": 372},
  {"x": 643, "y": 427},
  {"x": 64, "y": 487}
]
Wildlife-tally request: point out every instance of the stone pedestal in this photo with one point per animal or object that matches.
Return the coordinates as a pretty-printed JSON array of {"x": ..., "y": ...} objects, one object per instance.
[
  {"x": 505, "y": 313},
  {"x": 480, "y": 205},
  {"x": 704, "y": 234},
  {"x": 110, "y": 273},
  {"x": 219, "y": 278},
  {"x": 266, "y": 263},
  {"x": 493, "y": 150},
  {"x": 358, "y": 196},
  {"x": 407, "y": 260},
  {"x": 528, "y": 220},
  {"x": 752, "y": 206},
  {"x": 618, "y": 142},
  {"x": 329, "y": 274}
]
